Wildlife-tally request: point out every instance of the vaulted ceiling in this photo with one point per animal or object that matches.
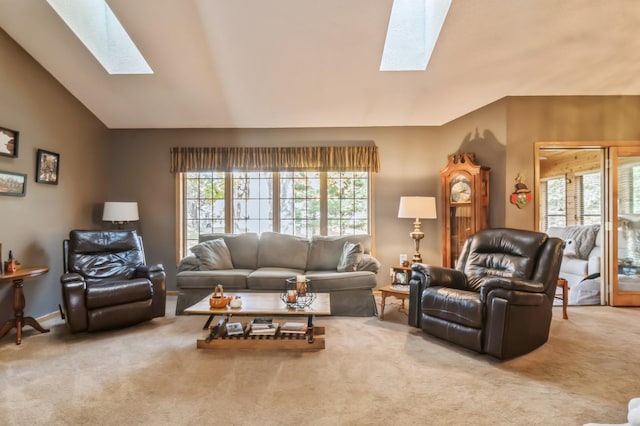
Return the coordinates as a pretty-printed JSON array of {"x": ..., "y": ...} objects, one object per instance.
[{"x": 315, "y": 63}]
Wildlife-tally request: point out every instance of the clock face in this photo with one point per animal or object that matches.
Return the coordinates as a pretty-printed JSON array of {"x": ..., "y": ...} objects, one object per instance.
[{"x": 460, "y": 189}]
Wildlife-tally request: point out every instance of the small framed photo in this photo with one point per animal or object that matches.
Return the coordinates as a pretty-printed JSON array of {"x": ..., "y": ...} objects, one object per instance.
[
  {"x": 47, "y": 167},
  {"x": 14, "y": 184},
  {"x": 401, "y": 276},
  {"x": 8, "y": 142}
]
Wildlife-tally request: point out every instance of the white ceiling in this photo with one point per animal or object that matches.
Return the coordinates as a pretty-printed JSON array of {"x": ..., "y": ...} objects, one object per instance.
[{"x": 314, "y": 63}]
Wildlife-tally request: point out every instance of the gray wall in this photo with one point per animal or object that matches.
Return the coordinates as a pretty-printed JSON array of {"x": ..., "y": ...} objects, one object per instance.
[{"x": 34, "y": 226}]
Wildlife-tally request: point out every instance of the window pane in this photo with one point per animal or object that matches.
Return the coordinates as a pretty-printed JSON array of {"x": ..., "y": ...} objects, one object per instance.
[
  {"x": 300, "y": 203},
  {"x": 347, "y": 201},
  {"x": 252, "y": 202}
]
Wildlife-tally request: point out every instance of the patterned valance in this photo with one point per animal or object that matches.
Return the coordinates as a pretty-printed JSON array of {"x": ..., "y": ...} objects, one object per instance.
[{"x": 271, "y": 159}]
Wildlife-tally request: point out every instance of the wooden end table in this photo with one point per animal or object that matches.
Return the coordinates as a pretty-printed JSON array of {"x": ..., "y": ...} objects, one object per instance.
[
  {"x": 398, "y": 291},
  {"x": 19, "y": 320}
]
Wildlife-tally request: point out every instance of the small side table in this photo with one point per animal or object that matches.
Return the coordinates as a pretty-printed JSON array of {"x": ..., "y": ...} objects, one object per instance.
[
  {"x": 19, "y": 320},
  {"x": 396, "y": 291}
]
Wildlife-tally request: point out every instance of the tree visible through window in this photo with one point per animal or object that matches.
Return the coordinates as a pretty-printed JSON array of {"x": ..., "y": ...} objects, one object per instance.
[{"x": 296, "y": 203}]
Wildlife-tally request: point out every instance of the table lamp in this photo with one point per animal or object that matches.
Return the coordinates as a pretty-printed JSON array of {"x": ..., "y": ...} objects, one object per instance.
[
  {"x": 120, "y": 212},
  {"x": 417, "y": 208}
]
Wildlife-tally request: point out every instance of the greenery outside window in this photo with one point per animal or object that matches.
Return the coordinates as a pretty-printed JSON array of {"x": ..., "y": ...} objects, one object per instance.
[{"x": 309, "y": 203}]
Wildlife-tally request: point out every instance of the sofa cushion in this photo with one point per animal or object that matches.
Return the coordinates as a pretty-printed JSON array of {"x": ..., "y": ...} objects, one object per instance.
[
  {"x": 584, "y": 237},
  {"x": 327, "y": 281},
  {"x": 282, "y": 251},
  {"x": 213, "y": 255},
  {"x": 230, "y": 279},
  {"x": 243, "y": 248},
  {"x": 350, "y": 257},
  {"x": 570, "y": 248},
  {"x": 325, "y": 251},
  {"x": 270, "y": 278}
]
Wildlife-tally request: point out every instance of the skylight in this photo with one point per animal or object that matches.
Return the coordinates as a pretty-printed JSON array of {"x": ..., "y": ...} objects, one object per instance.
[
  {"x": 95, "y": 24},
  {"x": 414, "y": 27}
]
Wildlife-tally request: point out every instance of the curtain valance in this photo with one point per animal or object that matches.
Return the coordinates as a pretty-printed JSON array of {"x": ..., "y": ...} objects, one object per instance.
[{"x": 273, "y": 159}]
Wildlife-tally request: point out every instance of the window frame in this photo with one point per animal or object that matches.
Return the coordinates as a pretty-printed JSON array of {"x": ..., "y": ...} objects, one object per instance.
[{"x": 181, "y": 225}]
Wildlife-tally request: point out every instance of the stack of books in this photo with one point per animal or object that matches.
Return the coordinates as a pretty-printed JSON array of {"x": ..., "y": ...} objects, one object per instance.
[
  {"x": 294, "y": 327},
  {"x": 263, "y": 326}
]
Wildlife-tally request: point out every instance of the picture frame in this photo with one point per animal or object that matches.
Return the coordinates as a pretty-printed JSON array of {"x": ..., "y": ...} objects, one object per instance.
[
  {"x": 8, "y": 142},
  {"x": 47, "y": 167},
  {"x": 401, "y": 276},
  {"x": 13, "y": 184}
]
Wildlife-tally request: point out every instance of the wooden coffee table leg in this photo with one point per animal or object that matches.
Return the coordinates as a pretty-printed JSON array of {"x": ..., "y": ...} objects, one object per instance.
[{"x": 310, "y": 330}]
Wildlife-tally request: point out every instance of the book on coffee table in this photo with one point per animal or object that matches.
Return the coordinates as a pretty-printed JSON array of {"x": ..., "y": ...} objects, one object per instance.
[
  {"x": 264, "y": 329},
  {"x": 294, "y": 327},
  {"x": 234, "y": 329}
]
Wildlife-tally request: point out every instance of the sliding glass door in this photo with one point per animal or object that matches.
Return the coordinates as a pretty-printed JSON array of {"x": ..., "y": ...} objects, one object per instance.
[
  {"x": 584, "y": 188},
  {"x": 624, "y": 207}
]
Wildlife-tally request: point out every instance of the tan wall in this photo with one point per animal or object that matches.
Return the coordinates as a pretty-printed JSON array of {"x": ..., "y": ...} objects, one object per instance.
[{"x": 33, "y": 227}]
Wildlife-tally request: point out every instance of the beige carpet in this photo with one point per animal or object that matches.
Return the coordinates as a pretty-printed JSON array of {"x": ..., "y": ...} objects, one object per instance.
[{"x": 372, "y": 373}]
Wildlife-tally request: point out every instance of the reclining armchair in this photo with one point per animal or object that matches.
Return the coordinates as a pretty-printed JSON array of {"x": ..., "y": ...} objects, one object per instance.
[
  {"x": 498, "y": 300},
  {"x": 106, "y": 283}
]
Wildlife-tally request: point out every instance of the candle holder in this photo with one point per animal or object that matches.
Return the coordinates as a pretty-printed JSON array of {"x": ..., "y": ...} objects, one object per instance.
[{"x": 298, "y": 294}]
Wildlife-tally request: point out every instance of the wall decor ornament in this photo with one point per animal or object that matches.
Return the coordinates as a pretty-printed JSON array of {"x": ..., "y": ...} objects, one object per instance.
[
  {"x": 8, "y": 142},
  {"x": 522, "y": 195},
  {"x": 14, "y": 184},
  {"x": 47, "y": 167}
]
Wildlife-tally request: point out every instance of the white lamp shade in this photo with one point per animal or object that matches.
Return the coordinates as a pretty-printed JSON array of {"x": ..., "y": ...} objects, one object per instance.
[
  {"x": 417, "y": 208},
  {"x": 120, "y": 212}
]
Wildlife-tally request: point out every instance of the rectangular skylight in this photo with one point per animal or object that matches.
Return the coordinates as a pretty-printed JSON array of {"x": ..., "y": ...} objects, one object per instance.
[
  {"x": 414, "y": 27},
  {"x": 95, "y": 24}
]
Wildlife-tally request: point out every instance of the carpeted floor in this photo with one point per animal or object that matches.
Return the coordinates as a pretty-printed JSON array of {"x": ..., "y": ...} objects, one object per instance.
[{"x": 371, "y": 373}]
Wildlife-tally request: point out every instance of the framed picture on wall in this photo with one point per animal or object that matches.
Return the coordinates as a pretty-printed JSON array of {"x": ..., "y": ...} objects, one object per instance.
[
  {"x": 8, "y": 142},
  {"x": 14, "y": 184},
  {"x": 47, "y": 167}
]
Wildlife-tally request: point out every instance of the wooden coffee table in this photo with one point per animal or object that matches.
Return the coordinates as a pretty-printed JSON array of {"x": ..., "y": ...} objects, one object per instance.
[{"x": 262, "y": 304}]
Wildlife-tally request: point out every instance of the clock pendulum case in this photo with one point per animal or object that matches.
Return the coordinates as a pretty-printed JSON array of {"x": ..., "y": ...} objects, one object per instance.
[{"x": 465, "y": 201}]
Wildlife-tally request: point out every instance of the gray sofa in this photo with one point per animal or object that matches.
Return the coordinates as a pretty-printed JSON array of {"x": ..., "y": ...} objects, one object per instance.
[{"x": 342, "y": 266}]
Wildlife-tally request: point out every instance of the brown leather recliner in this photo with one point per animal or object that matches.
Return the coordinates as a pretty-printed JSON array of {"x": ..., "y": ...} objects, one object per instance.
[
  {"x": 106, "y": 283},
  {"x": 499, "y": 297}
]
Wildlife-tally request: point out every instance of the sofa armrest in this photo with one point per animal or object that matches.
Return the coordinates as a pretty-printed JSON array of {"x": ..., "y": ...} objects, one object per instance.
[
  {"x": 189, "y": 263},
  {"x": 368, "y": 263},
  {"x": 423, "y": 276},
  {"x": 73, "y": 299},
  {"x": 510, "y": 285},
  {"x": 157, "y": 276}
]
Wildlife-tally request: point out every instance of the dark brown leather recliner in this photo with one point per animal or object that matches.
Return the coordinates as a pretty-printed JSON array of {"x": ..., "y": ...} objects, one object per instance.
[
  {"x": 499, "y": 297},
  {"x": 106, "y": 283}
]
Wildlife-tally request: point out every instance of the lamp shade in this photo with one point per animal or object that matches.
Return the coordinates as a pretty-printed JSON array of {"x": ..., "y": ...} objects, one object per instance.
[
  {"x": 120, "y": 212},
  {"x": 417, "y": 208}
]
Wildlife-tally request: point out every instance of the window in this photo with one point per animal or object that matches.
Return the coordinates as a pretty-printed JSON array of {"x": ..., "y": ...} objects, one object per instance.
[
  {"x": 555, "y": 195},
  {"x": 296, "y": 203},
  {"x": 589, "y": 197}
]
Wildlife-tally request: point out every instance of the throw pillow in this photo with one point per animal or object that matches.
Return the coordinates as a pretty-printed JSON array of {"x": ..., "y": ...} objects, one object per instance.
[
  {"x": 350, "y": 257},
  {"x": 213, "y": 254},
  {"x": 570, "y": 248}
]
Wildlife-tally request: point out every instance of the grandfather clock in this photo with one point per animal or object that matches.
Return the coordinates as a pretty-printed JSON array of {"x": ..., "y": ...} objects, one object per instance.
[{"x": 465, "y": 201}]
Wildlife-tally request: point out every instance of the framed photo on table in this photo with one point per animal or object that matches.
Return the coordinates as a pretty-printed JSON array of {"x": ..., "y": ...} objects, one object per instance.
[
  {"x": 400, "y": 276},
  {"x": 47, "y": 167}
]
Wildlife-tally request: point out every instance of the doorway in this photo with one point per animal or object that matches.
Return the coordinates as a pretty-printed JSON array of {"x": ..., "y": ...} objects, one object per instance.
[{"x": 585, "y": 191}]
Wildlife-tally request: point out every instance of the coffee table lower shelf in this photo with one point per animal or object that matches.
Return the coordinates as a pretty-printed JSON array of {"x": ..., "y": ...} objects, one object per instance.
[{"x": 279, "y": 342}]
